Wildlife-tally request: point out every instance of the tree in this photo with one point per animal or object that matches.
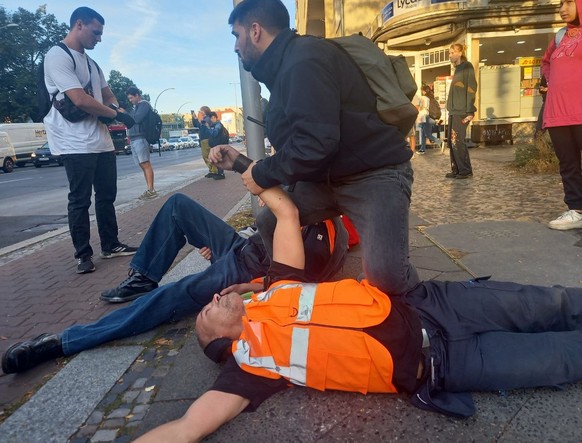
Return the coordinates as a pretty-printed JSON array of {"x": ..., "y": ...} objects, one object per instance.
[
  {"x": 22, "y": 49},
  {"x": 118, "y": 85}
]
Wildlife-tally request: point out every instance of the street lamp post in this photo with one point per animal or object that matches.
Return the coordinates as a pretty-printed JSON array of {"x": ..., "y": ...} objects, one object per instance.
[
  {"x": 9, "y": 25},
  {"x": 155, "y": 109},
  {"x": 178, "y": 112}
]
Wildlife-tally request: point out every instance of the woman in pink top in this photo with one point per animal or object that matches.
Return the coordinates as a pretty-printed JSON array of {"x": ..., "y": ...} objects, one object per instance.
[{"x": 562, "y": 65}]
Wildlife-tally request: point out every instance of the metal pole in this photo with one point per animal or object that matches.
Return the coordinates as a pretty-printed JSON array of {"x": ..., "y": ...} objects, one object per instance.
[
  {"x": 255, "y": 136},
  {"x": 156, "y": 109}
]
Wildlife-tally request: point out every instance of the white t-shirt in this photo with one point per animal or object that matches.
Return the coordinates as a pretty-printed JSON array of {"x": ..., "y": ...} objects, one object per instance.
[{"x": 64, "y": 137}]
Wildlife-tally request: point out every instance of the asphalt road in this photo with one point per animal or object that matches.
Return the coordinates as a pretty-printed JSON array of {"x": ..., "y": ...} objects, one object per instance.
[{"x": 33, "y": 200}]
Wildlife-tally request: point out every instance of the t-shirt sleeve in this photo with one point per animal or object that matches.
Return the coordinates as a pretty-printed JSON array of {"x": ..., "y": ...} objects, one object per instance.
[
  {"x": 234, "y": 380},
  {"x": 59, "y": 70},
  {"x": 279, "y": 271}
]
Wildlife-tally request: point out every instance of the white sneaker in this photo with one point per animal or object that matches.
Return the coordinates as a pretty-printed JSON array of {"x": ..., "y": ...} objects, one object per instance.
[{"x": 568, "y": 220}]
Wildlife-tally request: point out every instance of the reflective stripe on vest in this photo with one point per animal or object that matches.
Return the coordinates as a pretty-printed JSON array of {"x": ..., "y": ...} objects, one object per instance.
[{"x": 296, "y": 331}]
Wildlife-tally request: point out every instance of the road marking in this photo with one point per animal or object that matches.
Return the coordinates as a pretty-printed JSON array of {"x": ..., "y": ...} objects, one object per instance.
[{"x": 17, "y": 180}]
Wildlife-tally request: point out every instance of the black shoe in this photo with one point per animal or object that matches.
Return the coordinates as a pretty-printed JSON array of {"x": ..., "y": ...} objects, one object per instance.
[
  {"x": 85, "y": 265},
  {"x": 451, "y": 175},
  {"x": 210, "y": 175},
  {"x": 463, "y": 176},
  {"x": 219, "y": 177},
  {"x": 120, "y": 250},
  {"x": 129, "y": 289},
  {"x": 27, "y": 354}
]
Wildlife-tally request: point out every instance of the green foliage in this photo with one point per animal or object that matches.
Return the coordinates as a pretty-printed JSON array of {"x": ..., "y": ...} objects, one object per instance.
[
  {"x": 537, "y": 157},
  {"x": 22, "y": 49}
]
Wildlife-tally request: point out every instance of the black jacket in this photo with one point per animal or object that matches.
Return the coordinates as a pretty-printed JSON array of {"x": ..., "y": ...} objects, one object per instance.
[{"x": 322, "y": 116}]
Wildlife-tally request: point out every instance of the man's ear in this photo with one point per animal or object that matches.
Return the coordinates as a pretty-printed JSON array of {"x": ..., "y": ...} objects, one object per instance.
[{"x": 255, "y": 33}]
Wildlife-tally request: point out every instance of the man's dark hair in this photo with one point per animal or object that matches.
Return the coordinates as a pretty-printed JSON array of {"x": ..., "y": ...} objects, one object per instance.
[
  {"x": 86, "y": 15},
  {"x": 270, "y": 14},
  {"x": 133, "y": 90},
  {"x": 213, "y": 114}
]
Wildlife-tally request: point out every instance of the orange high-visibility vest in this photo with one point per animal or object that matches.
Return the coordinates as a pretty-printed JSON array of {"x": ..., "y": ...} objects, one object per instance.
[{"x": 312, "y": 335}]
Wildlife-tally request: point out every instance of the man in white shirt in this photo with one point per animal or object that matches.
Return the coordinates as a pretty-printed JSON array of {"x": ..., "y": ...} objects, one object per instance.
[{"x": 76, "y": 129}]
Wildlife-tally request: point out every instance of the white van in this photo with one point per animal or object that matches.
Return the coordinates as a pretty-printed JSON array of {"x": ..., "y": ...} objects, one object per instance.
[
  {"x": 7, "y": 155},
  {"x": 26, "y": 138}
]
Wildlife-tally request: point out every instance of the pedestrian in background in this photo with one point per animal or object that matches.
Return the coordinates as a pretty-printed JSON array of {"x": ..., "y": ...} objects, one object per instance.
[
  {"x": 461, "y": 107},
  {"x": 140, "y": 147},
  {"x": 78, "y": 133},
  {"x": 203, "y": 125},
  {"x": 561, "y": 66},
  {"x": 218, "y": 136}
]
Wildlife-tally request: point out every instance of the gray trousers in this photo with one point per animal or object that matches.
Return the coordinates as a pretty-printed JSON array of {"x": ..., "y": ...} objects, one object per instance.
[{"x": 377, "y": 202}]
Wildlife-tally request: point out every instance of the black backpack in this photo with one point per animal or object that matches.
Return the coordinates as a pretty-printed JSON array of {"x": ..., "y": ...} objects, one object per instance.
[
  {"x": 220, "y": 139},
  {"x": 434, "y": 109},
  {"x": 152, "y": 126},
  {"x": 44, "y": 99}
]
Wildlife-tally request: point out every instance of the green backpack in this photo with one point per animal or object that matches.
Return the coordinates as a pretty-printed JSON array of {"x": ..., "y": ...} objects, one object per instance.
[{"x": 388, "y": 77}]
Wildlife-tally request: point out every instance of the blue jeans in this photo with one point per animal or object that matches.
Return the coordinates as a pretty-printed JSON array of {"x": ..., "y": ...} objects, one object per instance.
[
  {"x": 377, "y": 202},
  {"x": 488, "y": 335},
  {"x": 179, "y": 220},
  {"x": 86, "y": 172},
  {"x": 426, "y": 132}
]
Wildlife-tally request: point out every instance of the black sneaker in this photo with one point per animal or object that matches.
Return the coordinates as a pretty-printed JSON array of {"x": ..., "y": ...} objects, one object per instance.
[
  {"x": 129, "y": 289},
  {"x": 219, "y": 177},
  {"x": 85, "y": 265},
  {"x": 451, "y": 175},
  {"x": 210, "y": 175},
  {"x": 120, "y": 250},
  {"x": 463, "y": 176}
]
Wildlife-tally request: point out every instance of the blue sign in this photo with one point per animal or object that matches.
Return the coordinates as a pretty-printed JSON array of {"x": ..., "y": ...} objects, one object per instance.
[{"x": 388, "y": 12}]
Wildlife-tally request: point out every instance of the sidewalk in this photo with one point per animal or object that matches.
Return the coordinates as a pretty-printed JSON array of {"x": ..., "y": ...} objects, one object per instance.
[{"x": 491, "y": 224}]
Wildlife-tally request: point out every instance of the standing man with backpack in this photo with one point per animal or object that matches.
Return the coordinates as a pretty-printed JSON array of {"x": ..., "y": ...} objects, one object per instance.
[
  {"x": 332, "y": 148},
  {"x": 218, "y": 136},
  {"x": 140, "y": 147},
  {"x": 82, "y": 106}
]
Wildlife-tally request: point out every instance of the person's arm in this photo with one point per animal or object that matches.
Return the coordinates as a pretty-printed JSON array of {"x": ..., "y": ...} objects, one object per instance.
[
  {"x": 287, "y": 240},
  {"x": 471, "y": 92},
  {"x": 206, "y": 415},
  {"x": 215, "y": 130},
  {"x": 546, "y": 61}
]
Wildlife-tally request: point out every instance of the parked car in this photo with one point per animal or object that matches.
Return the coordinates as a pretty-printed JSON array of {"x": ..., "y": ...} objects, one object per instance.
[
  {"x": 43, "y": 156},
  {"x": 236, "y": 139},
  {"x": 187, "y": 142},
  {"x": 174, "y": 143}
]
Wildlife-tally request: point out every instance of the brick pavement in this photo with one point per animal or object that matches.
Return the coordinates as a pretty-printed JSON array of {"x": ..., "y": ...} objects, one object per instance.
[{"x": 42, "y": 293}]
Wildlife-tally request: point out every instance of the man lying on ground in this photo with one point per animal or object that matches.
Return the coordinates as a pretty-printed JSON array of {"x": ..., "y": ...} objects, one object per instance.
[
  {"x": 234, "y": 259},
  {"x": 438, "y": 342}
]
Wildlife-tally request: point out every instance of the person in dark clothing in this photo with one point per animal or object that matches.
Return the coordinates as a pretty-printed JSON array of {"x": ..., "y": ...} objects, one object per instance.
[
  {"x": 203, "y": 125},
  {"x": 439, "y": 342},
  {"x": 216, "y": 137},
  {"x": 461, "y": 108},
  {"x": 332, "y": 148}
]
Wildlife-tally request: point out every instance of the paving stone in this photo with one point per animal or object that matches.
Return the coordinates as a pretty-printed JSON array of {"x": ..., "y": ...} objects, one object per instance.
[
  {"x": 139, "y": 383},
  {"x": 119, "y": 413},
  {"x": 104, "y": 435},
  {"x": 113, "y": 423},
  {"x": 130, "y": 396}
]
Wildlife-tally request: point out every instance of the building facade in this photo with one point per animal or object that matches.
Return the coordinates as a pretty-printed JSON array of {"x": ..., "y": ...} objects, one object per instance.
[{"x": 505, "y": 42}]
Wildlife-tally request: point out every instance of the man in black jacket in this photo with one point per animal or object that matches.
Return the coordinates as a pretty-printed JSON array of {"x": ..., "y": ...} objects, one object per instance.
[{"x": 331, "y": 145}]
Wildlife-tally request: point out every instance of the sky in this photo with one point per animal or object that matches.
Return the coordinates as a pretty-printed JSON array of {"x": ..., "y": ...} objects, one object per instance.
[{"x": 185, "y": 45}]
